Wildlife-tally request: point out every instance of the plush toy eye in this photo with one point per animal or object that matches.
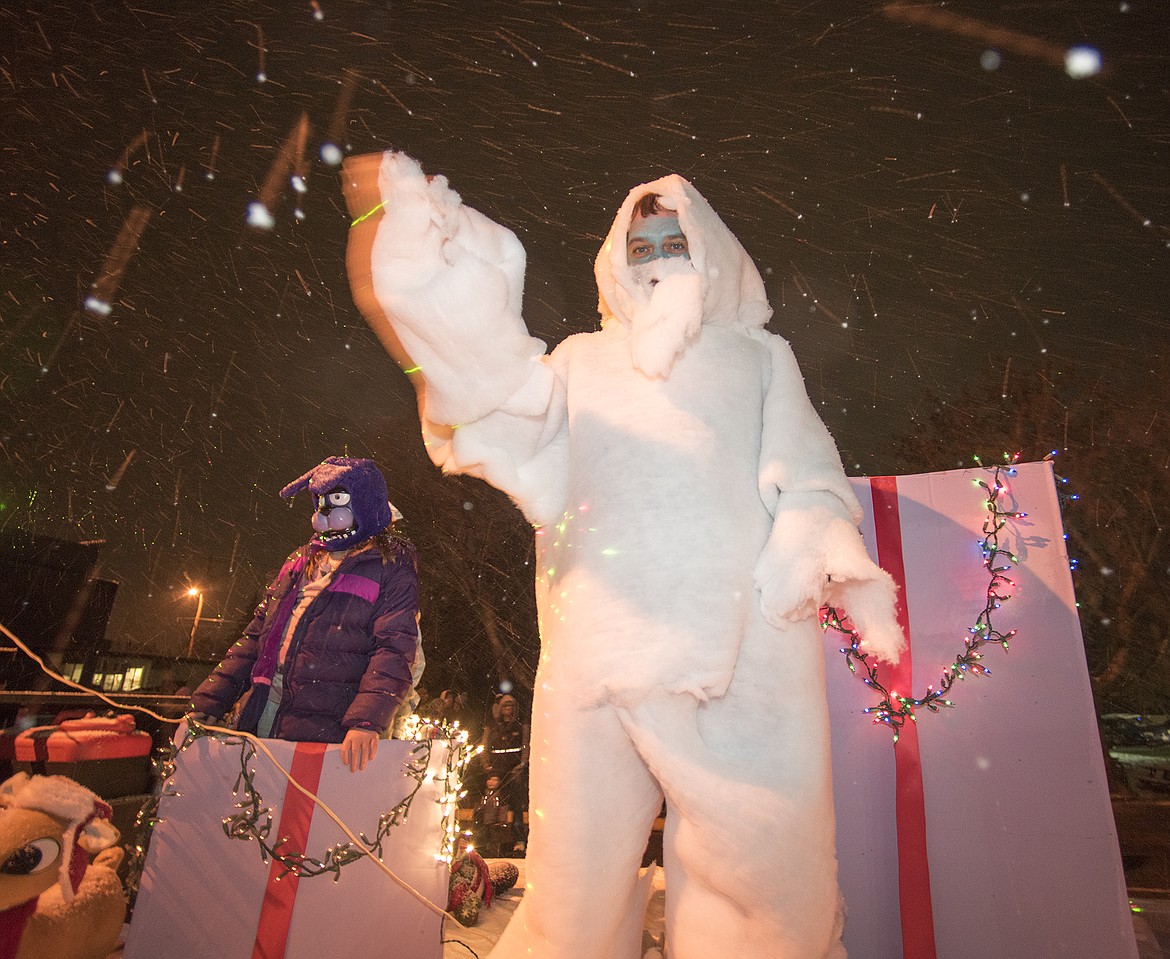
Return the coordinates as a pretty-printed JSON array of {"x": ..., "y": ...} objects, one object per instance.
[
  {"x": 31, "y": 857},
  {"x": 338, "y": 497}
]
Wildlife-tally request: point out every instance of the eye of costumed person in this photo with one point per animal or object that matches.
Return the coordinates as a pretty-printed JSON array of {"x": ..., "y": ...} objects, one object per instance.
[{"x": 655, "y": 237}]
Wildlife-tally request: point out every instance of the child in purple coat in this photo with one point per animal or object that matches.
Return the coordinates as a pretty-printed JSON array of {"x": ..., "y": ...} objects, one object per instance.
[{"x": 333, "y": 652}]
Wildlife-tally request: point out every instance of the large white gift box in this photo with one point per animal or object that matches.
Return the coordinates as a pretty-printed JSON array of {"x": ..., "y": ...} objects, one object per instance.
[
  {"x": 204, "y": 895},
  {"x": 986, "y": 831}
]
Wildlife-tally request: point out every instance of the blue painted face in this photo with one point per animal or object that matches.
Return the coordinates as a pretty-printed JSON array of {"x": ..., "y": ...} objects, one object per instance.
[{"x": 655, "y": 237}]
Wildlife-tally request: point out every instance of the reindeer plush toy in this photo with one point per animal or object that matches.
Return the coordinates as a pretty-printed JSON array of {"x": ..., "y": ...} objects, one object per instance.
[{"x": 54, "y": 902}]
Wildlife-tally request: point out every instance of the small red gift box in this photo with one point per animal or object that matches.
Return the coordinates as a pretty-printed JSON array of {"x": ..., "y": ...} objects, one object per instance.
[{"x": 105, "y": 754}]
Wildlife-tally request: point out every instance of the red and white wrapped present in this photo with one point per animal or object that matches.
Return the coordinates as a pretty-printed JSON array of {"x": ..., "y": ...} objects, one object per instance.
[
  {"x": 986, "y": 830},
  {"x": 204, "y": 894},
  {"x": 106, "y": 754}
]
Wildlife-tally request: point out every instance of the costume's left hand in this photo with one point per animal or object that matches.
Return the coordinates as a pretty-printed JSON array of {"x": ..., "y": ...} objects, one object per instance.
[
  {"x": 869, "y": 603},
  {"x": 815, "y": 557},
  {"x": 813, "y": 541},
  {"x": 358, "y": 748}
]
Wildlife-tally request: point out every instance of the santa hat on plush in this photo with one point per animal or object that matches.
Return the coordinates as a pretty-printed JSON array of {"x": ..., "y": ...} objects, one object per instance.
[{"x": 83, "y": 812}]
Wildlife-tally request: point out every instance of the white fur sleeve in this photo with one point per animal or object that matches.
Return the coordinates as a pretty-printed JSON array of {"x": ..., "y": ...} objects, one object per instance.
[
  {"x": 450, "y": 283},
  {"x": 520, "y": 448},
  {"x": 814, "y": 554},
  {"x": 442, "y": 286}
]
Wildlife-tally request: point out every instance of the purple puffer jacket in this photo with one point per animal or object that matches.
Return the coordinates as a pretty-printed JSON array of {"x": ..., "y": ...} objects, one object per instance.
[{"x": 349, "y": 663}]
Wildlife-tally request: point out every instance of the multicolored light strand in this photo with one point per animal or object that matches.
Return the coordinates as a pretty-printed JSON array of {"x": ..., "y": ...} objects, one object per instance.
[{"x": 895, "y": 710}]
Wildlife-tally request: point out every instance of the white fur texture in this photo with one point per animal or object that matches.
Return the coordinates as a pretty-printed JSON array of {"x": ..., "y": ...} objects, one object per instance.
[{"x": 667, "y": 323}]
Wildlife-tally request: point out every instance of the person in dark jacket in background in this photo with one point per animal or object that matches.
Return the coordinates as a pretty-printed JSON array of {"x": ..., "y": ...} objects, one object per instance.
[
  {"x": 333, "y": 652},
  {"x": 505, "y": 758}
]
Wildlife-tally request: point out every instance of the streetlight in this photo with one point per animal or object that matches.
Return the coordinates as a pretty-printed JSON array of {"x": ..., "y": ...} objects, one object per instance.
[
  {"x": 199, "y": 618},
  {"x": 194, "y": 591}
]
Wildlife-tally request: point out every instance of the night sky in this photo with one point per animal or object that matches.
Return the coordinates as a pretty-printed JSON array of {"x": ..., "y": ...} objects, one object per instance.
[{"x": 929, "y": 203}]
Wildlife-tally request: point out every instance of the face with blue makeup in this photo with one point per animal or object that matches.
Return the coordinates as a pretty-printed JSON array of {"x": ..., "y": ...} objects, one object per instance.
[
  {"x": 656, "y": 247},
  {"x": 655, "y": 237}
]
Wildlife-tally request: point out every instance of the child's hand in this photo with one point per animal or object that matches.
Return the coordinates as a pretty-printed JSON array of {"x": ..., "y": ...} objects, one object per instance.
[{"x": 358, "y": 748}]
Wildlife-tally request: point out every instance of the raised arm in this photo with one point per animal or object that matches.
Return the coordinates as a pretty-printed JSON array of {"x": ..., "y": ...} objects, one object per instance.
[
  {"x": 442, "y": 286},
  {"x": 815, "y": 555}
]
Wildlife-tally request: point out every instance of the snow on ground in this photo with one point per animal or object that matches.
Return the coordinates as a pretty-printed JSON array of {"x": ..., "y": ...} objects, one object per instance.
[{"x": 1151, "y": 923}]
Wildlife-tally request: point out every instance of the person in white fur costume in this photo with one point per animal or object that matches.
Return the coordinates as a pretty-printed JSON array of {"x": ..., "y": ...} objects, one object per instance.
[{"x": 691, "y": 516}]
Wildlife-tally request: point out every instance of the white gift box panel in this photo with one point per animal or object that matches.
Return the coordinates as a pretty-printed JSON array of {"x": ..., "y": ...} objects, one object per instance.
[
  {"x": 205, "y": 895},
  {"x": 987, "y": 830}
]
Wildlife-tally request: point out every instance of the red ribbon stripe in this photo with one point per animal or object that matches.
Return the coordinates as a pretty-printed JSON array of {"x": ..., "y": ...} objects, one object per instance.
[
  {"x": 917, "y": 912},
  {"x": 296, "y": 816}
]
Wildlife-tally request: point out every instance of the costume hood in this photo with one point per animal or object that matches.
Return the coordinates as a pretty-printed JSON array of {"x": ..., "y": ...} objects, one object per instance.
[
  {"x": 361, "y": 478},
  {"x": 731, "y": 287}
]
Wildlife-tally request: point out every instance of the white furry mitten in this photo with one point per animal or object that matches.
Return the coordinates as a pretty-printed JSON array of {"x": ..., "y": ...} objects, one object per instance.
[
  {"x": 815, "y": 556},
  {"x": 442, "y": 285}
]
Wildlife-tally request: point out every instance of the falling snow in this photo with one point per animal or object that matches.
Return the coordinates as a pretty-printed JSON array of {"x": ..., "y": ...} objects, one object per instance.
[{"x": 932, "y": 201}]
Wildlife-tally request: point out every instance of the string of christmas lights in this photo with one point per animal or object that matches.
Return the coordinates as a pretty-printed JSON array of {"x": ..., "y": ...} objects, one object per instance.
[
  {"x": 895, "y": 710},
  {"x": 459, "y": 753},
  {"x": 164, "y": 768},
  {"x": 253, "y": 821}
]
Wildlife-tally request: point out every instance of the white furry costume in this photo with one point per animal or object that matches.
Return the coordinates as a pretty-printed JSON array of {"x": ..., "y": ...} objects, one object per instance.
[{"x": 691, "y": 514}]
